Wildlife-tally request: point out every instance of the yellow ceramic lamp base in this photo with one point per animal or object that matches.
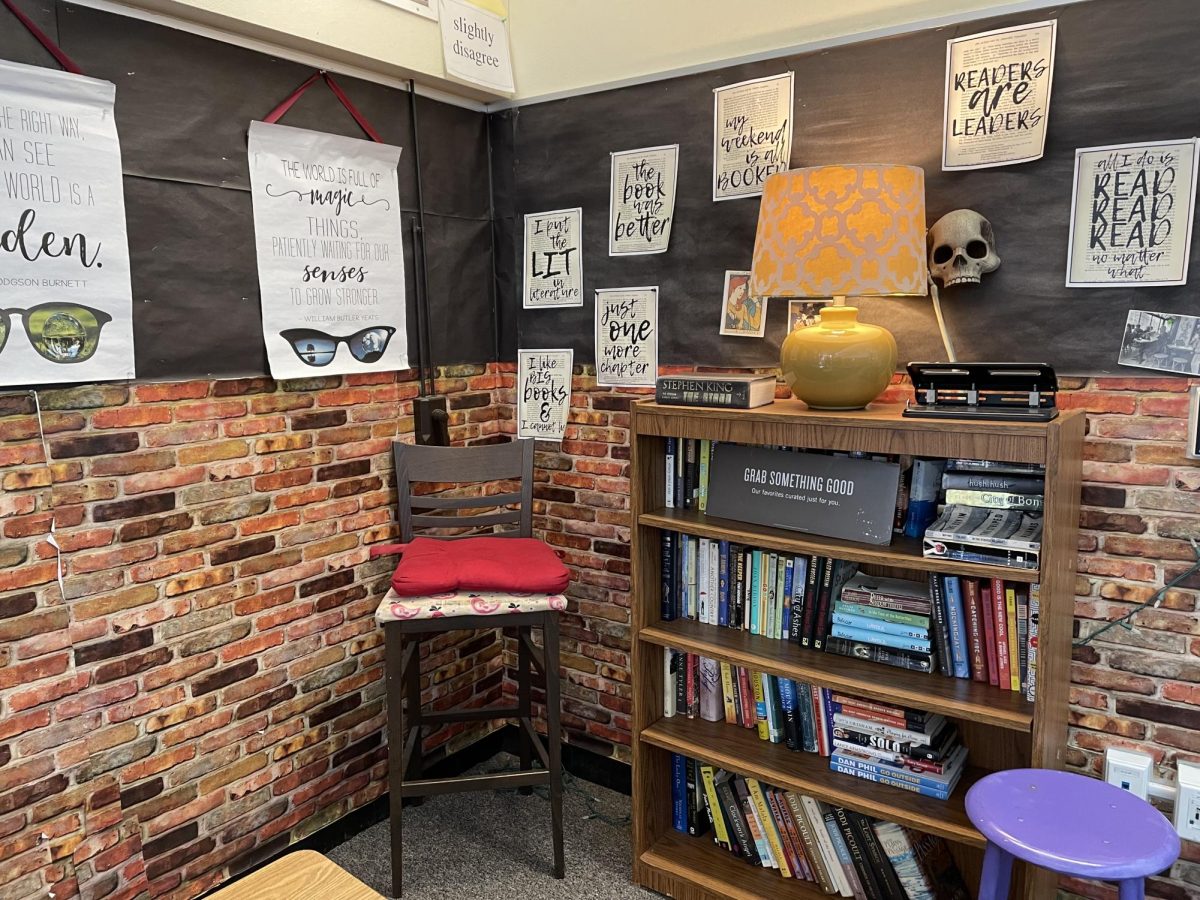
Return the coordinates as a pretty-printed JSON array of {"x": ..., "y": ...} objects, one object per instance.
[{"x": 839, "y": 363}]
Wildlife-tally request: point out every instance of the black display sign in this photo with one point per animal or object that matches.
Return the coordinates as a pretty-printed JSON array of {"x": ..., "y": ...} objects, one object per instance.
[{"x": 834, "y": 496}]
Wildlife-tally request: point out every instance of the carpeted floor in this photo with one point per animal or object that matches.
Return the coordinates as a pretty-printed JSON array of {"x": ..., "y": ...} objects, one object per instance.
[{"x": 496, "y": 846}]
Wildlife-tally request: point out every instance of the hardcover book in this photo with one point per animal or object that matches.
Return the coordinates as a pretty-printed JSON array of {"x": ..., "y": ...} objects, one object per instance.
[{"x": 724, "y": 391}]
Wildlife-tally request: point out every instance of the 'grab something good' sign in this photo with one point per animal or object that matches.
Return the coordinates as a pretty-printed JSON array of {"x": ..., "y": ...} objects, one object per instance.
[{"x": 835, "y": 496}]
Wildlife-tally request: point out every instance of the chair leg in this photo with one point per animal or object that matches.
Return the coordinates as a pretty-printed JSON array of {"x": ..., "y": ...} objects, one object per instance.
[
  {"x": 412, "y": 694},
  {"x": 524, "y": 702},
  {"x": 394, "y": 661},
  {"x": 554, "y": 738},
  {"x": 997, "y": 873},
  {"x": 1133, "y": 889}
]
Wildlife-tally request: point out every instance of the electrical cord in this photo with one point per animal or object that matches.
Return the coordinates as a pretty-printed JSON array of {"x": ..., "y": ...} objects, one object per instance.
[{"x": 573, "y": 785}]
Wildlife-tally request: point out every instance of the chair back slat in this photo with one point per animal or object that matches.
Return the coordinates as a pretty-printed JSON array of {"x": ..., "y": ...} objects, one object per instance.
[{"x": 461, "y": 466}]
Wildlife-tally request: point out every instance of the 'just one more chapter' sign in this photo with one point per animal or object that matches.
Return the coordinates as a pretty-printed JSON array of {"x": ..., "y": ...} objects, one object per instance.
[{"x": 835, "y": 496}]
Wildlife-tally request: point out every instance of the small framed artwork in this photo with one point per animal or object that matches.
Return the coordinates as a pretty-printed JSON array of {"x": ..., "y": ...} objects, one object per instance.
[
  {"x": 803, "y": 313},
  {"x": 1168, "y": 342},
  {"x": 741, "y": 314}
]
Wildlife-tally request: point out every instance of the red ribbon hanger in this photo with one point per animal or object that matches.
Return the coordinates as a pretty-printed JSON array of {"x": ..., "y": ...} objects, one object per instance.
[
  {"x": 277, "y": 113},
  {"x": 44, "y": 39}
]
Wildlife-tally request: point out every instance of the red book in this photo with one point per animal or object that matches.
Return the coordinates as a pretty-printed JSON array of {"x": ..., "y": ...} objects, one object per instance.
[
  {"x": 746, "y": 692},
  {"x": 821, "y": 722},
  {"x": 1000, "y": 613},
  {"x": 974, "y": 614},
  {"x": 871, "y": 716},
  {"x": 989, "y": 633}
]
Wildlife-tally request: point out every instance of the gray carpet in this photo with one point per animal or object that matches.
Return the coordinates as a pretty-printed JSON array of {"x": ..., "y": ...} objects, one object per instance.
[{"x": 496, "y": 846}]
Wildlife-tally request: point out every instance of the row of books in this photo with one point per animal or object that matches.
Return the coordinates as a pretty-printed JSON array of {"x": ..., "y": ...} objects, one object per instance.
[
  {"x": 905, "y": 748},
  {"x": 842, "y": 851},
  {"x": 981, "y": 629}
]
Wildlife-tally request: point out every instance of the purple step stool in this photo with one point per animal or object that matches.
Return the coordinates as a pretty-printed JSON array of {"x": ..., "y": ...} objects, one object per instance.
[{"x": 1068, "y": 824}]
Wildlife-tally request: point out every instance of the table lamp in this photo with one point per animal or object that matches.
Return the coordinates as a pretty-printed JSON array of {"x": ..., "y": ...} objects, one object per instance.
[{"x": 838, "y": 231}]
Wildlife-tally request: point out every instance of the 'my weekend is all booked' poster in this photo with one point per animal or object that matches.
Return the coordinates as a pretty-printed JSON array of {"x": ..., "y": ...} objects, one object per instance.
[
  {"x": 998, "y": 96},
  {"x": 67, "y": 310},
  {"x": 1131, "y": 214},
  {"x": 553, "y": 259},
  {"x": 642, "y": 201},
  {"x": 543, "y": 393},
  {"x": 330, "y": 256},
  {"x": 627, "y": 337},
  {"x": 752, "y": 134}
]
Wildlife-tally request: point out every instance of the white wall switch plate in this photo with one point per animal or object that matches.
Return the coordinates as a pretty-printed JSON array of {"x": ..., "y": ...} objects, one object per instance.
[
  {"x": 1128, "y": 770},
  {"x": 1187, "y": 803}
]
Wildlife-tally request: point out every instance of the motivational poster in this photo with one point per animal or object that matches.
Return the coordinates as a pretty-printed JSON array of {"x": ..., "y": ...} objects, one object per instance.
[
  {"x": 553, "y": 259},
  {"x": 752, "y": 134},
  {"x": 475, "y": 46},
  {"x": 998, "y": 96},
  {"x": 1131, "y": 214},
  {"x": 627, "y": 337},
  {"x": 642, "y": 202},
  {"x": 330, "y": 254},
  {"x": 543, "y": 393},
  {"x": 67, "y": 310}
]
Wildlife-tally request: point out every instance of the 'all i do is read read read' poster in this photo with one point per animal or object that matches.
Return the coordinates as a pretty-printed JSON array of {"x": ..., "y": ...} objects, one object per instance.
[
  {"x": 330, "y": 254},
  {"x": 67, "y": 307}
]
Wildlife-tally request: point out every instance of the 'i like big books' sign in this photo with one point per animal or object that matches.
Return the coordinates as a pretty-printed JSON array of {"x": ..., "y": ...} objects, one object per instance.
[{"x": 835, "y": 496}]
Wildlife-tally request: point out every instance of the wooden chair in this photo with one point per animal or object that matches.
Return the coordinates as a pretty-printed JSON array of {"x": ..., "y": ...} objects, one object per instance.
[{"x": 406, "y": 620}]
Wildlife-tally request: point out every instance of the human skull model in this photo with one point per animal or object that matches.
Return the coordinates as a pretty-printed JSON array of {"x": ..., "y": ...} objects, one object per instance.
[{"x": 962, "y": 248}]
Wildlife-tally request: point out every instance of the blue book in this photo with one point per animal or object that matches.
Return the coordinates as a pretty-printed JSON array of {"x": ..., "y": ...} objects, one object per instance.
[
  {"x": 755, "y": 590},
  {"x": 927, "y": 784},
  {"x": 723, "y": 585},
  {"x": 862, "y": 635},
  {"x": 839, "y": 845},
  {"x": 791, "y": 723},
  {"x": 679, "y": 803},
  {"x": 853, "y": 620},
  {"x": 956, "y": 621},
  {"x": 788, "y": 585},
  {"x": 667, "y": 604}
]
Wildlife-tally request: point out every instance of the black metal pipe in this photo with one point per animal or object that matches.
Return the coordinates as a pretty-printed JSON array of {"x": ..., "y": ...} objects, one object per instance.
[{"x": 423, "y": 341}]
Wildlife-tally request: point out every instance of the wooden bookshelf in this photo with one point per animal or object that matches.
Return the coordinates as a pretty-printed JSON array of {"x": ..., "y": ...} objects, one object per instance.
[{"x": 1001, "y": 729}]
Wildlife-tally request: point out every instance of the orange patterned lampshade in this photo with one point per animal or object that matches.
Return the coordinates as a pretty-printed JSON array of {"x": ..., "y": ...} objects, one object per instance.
[{"x": 841, "y": 231}]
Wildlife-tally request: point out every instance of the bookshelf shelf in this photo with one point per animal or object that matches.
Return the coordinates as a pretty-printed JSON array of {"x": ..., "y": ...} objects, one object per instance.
[
  {"x": 1001, "y": 729},
  {"x": 903, "y": 553},
  {"x": 952, "y": 697},
  {"x": 741, "y": 750}
]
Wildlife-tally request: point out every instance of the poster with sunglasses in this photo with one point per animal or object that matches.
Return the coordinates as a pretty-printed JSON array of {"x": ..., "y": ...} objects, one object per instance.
[
  {"x": 543, "y": 393},
  {"x": 66, "y": 307},
  {"x": 330, "y": 254},
  {"x": 627, "y": 337}
]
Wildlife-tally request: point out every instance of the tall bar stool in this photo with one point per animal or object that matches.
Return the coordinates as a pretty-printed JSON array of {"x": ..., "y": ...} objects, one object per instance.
[{"x": 406, "y": 620}]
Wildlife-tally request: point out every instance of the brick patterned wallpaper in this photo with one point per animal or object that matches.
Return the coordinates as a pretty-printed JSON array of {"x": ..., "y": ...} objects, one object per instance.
[{"x": 210, "y": 690}]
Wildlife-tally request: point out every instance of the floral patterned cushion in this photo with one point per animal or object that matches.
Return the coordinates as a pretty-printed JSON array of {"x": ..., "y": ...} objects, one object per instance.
[{"x": 394, "y": 608}]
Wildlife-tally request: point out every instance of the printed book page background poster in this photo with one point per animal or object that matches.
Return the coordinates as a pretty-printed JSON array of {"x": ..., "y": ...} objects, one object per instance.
[
  {"x": 553, "y": 259},
  {"x": 1131, "y": 214},
  {"x": 64, "y": 255},
  {"x": 998, "y": 96},
  {"x": 330, "y": 255},
  {"x": 543, "y": 393},
  {"x": 627, "y": 337},
  {"x": 642, "y": 201},
  {"x": 475, "y": 46},
  {"x": 752, "y": 134}
]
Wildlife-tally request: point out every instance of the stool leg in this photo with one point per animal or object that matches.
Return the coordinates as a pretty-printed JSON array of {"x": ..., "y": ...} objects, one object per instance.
[
  {"x": 394, "y": 660},
  {"x": 554, "y": 738},
  {"x": 997, "y": 872},
  {"x": 1133, "y": 889},
  {"x": 524, "y": 702}
]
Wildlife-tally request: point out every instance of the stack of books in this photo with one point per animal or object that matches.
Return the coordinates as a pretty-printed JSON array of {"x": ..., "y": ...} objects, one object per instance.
[
  {"x": 842, "y": 851},
  {"x": 992, "y": 513},
  {"x": 687, "y": 468},
  {"x": 905, "y": 748},
  {"x": 885, "y": 620}
]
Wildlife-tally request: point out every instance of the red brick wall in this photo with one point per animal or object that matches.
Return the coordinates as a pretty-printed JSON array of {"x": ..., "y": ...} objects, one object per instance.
[{"x": 210, "y": 688}]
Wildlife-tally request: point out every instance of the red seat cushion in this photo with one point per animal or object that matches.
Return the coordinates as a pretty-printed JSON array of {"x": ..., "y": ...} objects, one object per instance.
[{"x": 513, "y": 565}]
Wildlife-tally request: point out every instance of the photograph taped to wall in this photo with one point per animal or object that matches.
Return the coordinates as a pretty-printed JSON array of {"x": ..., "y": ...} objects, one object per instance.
[
  {"x": 752, "y": 134},
  {"x": 553, "y": 259},
  {"x": 741, "y": 314},
  {"x": 426, "y": 8},
  {"x": 627, "y": 337},
  {"x": 66, "y": 303},
  {"x": 1167, "y": 342},
  {"x": 1132, "y": 207},
  {"x": 544, "y": 393},
  {"x": 642, "y": 200},
  {"x": 804, "y": 313},
  {"x": 998, "y": 96}
]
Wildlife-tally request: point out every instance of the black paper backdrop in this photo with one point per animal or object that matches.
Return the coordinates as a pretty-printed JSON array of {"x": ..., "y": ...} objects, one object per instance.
[
  {"x": 1125, "y": 71},
  {"x": 184, "y": 104}
]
